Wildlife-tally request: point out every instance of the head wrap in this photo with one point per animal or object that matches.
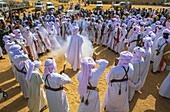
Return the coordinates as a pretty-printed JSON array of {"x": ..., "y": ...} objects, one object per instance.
[
  {"x": 136, "y": 29},
  {"x": 32, "y": 66},
  {"x": 14, "y": 48},
  {"x": 124, "y": 26},
  {"x": 125, "y": 58},
  {"x": 50, "y": 66},
  {"x": 5, "y": 38},
  {"x": 75, "y": 30},
  {"x": 87, "y": 64},
  {"x": 138, "y": 53}
]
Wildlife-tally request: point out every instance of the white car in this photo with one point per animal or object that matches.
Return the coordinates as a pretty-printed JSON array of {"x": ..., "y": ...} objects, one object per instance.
[
  {"x": 4, "y": 7},
  {"x": 166, "y": 3},
  {"x": 49, "y": 6},
  {"x": 39, "y": 6},
  {"x": 99, "y": 4}
]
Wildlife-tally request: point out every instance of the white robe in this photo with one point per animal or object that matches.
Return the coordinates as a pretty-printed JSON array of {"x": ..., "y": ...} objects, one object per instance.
[
  {"x": 37, "y": 99},
  {"x": 85, "y": 31},
  {"x": 157, "y": 58},
  {"x": 165, "y": 87},
  {"x": 113, "y": 101},
  {"x": 30, "y": 43},
  {"x": 132, "y": 45},
  {"x": 115, "y": 44},
  {"x": 147, "y": 58},
  {"x": 105, "y": 35},
  {"x": 138, "y": 73},
  {"x": 92, "y": 31},
  {"x": 74, "y": 51},
  {"x": 121, "y": 41},
  {"x": 19, "y": 63},
  {"x": 41, "y": 47},
  {"x": 111, "y": 39},
  {"x": 10, "y": 54},
  {"x": 97, "y": 40},
  {"x": 57, "y": 100},
  {"x": 57, "y": 27},
  {"x": 53, "y": 38},
  {"x": 93, "y": 96},
  {"x": 159, "y": 34},
  {"x": 44, "y": 36},
  {"x": 1, "y": 54},
  {"x": 22, "y": 43}
]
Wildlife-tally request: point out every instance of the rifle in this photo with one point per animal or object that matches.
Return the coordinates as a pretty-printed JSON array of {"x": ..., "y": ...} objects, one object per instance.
[
  {"x": 64, "y": 67},
  {"x": 25, "y": 52},
  {"x": 64, "y": 31},
  {"x": 94, "y": 56},
  {"x": 41, "y": 40}
]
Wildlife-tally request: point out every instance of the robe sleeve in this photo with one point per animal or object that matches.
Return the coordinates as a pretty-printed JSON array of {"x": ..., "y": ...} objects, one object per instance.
[
  {"x": 99, "y": 71},
  {"x": 39, "y": 79},
  {"x": 63, "y": 79}
]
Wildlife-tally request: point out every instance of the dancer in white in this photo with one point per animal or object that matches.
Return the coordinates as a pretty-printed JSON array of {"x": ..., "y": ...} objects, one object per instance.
[
  {"x": 88, "y": 79},
  {"x": 118, "y": 80},
  {"x": 56, "y": 96}
]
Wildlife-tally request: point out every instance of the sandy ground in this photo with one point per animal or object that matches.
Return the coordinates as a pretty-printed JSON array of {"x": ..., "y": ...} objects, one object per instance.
[{"x": 148, "y": 100}]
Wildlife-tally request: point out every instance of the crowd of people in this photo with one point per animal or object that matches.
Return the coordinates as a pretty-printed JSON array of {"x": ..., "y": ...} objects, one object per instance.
[{"x": 139, "y": 36}]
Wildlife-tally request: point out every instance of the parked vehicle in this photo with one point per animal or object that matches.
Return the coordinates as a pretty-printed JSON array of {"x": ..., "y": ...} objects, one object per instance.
[
  {"x": 39, "y": 6},
  {"x": 166, "y": 3},
  {"x": 121, "y": 5},
  {"x": 12, "y": 5},
  {"x": 99, "y": 4},
  {"x": 49, "y": 6},
  {"x": 64, "y": 1},
  {"x": 4, "y": 7}
]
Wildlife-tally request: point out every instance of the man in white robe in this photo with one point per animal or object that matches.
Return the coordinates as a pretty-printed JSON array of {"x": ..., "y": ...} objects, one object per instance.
[
  {"x": 132, "y": 41},
  {"x": 85, "y": 27},
  {"x": 53, "y": 37},
  {"x": 146, "y": 31},
  {"x": 31, "y": 45},
  {"x": 164, "y": 90},
  {"x": 56, "y": 95},
  {"x": 98, "y": 33},
  {"x": 117, "y": 35},
  {"x": 155, "y": 25},
  {"x": 105, "y": 37},
  {"x": 159, "y": 64},
  {"x": 91, "y": 30},
  {"x": 43, "y": 34},
  {"x": 58, "y": 29},
  {"x": 88, "y": 79},
  {"x": 8, "y": 44},
  {"x": 130, "y": 25},
  {"x": 147, "y": 57},
  {"x": 138, "y": 65},
  {"x": 123, "y": 37},
  {"x": 37, "y": 99},
  {"x": 74, "y": 50},
  {"x": 19, "y": 39},
  {"x": 41, "y": 46},
  {"x": 111, "y": 35},
  {"x": 68, "y": 28},
  {"x": 159, "y": 34},
  {"x": 118, "y": 80},
  {"x": 21, "y": 63}
]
